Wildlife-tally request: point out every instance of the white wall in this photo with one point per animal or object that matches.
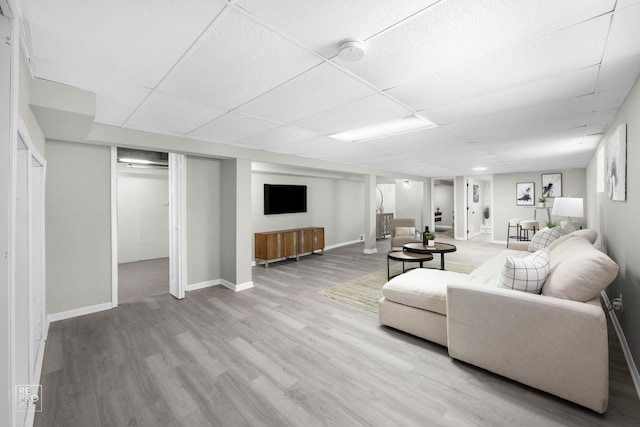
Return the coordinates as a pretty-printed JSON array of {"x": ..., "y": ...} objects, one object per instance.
[
  {"x": 475, "y": 208},
  {"x": 504, "y": 196},
  {"x": 335, "y": 204},
  {"x": 203, "y": 220},
  {"x": 410, "y": 201},
  {"x": 389, "y": 198},
  {"x": 616, "y": 221},
  {"x": 78, "y": 225},
  {"x": 443, "y": 199},
  {"x": 143, "y": 213}
]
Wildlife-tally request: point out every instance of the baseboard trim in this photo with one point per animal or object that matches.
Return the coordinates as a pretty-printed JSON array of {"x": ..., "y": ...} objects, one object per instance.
[
  {"x": 54, "y": 317},
  {"x": 236, "y": 287},
  {"x": 338, "y": 245},
  {"x": 202, "y": 285},
  {"x": 633, "y": 369}
]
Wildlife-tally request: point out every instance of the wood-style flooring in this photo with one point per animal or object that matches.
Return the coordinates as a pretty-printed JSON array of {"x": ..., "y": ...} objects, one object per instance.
[
  {"x": 281, "y": 354},
  {"x": 142, "y": 279}
]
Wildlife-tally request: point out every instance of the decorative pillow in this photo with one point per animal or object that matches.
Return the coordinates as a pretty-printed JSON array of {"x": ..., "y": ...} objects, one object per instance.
[
  {"x": 582, "y": 272},
  {"x": 544, "y": 238},
  {"x": 586, "y": 233},
  {"x": 405, "y": 232},
  {"x": 525, "y": 274}
]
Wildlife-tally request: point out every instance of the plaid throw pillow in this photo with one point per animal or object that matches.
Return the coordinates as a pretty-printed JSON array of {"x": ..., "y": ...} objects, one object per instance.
[
  {"x": 544, "y": 238},
  {"x": 525, "y": 274}
]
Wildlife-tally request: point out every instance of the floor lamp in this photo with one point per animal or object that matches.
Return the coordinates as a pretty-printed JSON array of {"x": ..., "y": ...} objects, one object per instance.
[{"x": 571, "y": 207}]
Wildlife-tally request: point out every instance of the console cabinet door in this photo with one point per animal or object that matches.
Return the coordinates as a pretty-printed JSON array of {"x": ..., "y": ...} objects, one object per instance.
[{"x": 318, "y": 239}]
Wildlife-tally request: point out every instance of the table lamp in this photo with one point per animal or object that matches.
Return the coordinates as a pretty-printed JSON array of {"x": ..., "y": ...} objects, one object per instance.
[{"x": 571, "y": 207}]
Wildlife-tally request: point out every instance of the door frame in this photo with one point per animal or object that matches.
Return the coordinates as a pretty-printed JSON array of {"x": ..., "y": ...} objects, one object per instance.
[{"x": 177, "y": 225}]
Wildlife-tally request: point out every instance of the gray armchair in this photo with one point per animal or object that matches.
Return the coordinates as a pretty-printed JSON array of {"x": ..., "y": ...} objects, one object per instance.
[{"x": 405, "y": 235}]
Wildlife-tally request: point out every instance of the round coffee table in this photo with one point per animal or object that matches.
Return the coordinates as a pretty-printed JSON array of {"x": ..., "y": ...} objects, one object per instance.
[
  {"x": 407, "y": 257},
  {"x": 438, "y": 248}
]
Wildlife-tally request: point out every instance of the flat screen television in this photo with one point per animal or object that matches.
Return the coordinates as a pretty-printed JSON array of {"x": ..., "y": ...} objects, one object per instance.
[{"x": 280, "y": 199}]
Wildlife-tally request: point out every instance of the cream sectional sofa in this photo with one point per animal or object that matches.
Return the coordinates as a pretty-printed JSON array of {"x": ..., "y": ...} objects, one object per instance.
[{"x": 555, "y": 341}]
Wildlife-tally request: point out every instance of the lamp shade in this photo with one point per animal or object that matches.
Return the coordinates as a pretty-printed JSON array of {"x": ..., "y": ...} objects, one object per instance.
[{"x": 568, "y": 206}]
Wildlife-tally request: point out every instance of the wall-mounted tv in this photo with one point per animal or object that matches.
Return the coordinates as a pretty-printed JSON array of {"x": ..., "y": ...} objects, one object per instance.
[{"x": 280, "y": 199}]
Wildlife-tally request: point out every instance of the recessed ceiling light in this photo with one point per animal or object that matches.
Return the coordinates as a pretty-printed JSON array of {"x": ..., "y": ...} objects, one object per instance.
[
  {"x": 382, "y": 129},
  {"x": 480, "y": 168}
]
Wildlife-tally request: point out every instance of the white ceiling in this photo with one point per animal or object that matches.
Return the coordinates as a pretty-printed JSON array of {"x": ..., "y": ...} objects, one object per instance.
[{"x": 511, "y": 85}]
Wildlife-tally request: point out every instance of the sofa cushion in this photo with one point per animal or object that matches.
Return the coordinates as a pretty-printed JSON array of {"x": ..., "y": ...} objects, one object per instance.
[
  {"x": 544, "y": 238},
  {"x": 423, "y": 288},
  {"x": 579, "y": 271},
  {"x": 525, "y": 274},
  {"x": 488, "y": 272},
  {"x": 405, "y": 232}
]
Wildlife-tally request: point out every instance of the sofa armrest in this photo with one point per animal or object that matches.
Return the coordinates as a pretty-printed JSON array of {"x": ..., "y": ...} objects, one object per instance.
[{"x": 555, "y": 345}]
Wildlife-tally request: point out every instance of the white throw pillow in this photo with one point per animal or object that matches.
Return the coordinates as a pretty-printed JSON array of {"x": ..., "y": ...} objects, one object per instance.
[
  {"x": 405, "y": 232},
  {"x": 543, "y": 238},
  {"x": 525, "y": 274}
]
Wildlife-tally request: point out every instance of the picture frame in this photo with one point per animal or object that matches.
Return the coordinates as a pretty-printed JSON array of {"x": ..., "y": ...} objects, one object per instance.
[
  {"x": 525, "y": 193},
  {"x": 551, "y": 185},
  {"x": 616, "y": 155}
]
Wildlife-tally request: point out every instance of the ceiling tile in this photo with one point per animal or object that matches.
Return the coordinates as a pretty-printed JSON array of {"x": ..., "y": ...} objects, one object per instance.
[
  {"x": 372, "y": 109},
  {"x": 447, "y": 35},
  {"x": 163, "y": 113},
  {"x": 621, "y": 60},
  {"x": 565, "y": 51},
  {"x": 558, "y": 87},
  {"x": 320, "y": 143},
  {"x": 231, "y": 127},
  {"x": 237, "y": 61},
  {"x": 321, "y": 26},
  {"x": 314, "y": 91},
  {"x": 127, "y": 41},
  {"x": 275, "y": 137},
  {"x": 610, "y": 100}
]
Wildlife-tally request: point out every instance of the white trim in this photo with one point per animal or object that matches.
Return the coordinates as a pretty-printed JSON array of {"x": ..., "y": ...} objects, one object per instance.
[
  {"x": 54, "y": 317},
  {"x": 177, "y": 224},
  {"x": 371, "y": 251},
  {"x": 114, "y": 227},
  {"x": 338, "y": 245},
  {"x": 236, "y": 287},
  {"x": 202, "y": 285},
  {"x": 633, "y": 369}
]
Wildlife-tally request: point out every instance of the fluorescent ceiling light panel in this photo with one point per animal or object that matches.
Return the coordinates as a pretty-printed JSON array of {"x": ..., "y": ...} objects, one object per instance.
[
  {"x": 480, "y": 168},
  {"x": 382, "y": 129},
  {"x": 141, "y": 161}
]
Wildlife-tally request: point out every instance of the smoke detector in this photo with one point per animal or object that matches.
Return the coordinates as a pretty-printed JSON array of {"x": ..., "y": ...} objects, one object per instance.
[{"x": 351, "y": 50}]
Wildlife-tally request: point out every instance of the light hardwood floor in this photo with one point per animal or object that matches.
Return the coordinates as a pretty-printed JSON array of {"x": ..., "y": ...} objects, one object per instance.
[{"x": 282, "y": 354}]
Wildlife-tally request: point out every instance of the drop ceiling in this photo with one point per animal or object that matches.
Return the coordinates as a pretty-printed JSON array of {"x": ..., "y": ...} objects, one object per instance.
[{"x": 511, "y": 85}]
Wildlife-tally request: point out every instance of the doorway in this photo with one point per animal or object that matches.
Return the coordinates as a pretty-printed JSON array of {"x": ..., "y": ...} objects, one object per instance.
[
  {"x": 143, "y": 224},
  {"x": 479, "y": 196},
  {"x": 444, "y": 206}
]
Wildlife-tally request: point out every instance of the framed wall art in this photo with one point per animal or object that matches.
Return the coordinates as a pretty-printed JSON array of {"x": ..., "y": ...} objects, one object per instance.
[
  {"x": 525, "y": 193},
  {"x": 551, "y": 185},
  {"x": 616, "y": 153}
]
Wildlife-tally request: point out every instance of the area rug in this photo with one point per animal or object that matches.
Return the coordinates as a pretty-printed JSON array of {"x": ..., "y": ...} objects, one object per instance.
[{"x": 365, "y": 291}]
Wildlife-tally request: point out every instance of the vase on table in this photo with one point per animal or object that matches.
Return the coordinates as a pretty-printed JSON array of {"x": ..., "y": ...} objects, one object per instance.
[
  {"x": 431, "y": 242},
  {"x": 424, "y": 236}
]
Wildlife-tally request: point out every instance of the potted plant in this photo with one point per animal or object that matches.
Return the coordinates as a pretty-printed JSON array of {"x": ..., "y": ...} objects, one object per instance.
[
  {"x": 541, "y": 202},
  {"x": 431, "y": 236}
]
